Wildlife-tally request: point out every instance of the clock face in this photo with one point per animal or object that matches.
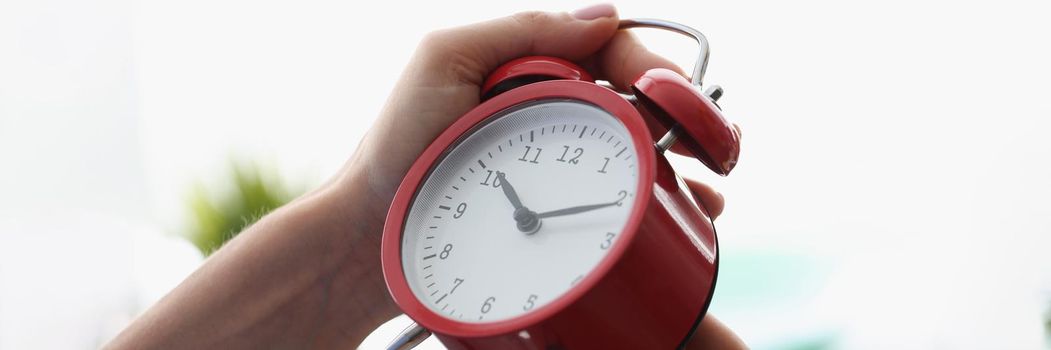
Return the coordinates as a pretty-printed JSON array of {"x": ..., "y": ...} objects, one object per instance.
[{"x": 520, "y": 210}]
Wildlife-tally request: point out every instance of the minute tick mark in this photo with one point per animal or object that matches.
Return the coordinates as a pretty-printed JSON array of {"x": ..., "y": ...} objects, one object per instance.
[{"x": 576, "y": 280}]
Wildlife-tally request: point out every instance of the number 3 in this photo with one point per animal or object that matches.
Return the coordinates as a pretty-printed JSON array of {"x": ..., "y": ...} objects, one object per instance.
[{"x": 609, "y": 240}]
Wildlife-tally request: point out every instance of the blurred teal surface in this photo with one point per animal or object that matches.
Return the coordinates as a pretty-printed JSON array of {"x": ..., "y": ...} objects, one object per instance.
[{"x": 769, "y": 298}]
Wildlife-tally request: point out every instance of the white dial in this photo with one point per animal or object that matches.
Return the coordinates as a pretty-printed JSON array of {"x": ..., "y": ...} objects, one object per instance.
[{"x": 519, "y": 211}]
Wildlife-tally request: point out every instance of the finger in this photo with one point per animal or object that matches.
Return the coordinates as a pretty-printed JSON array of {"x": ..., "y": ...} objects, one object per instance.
[
  {"x": 712, "y": 334},
  {"x": 469, "y": 53},
  {"x": 624, "y": 59},
  {"x": 711, "y": 199}
]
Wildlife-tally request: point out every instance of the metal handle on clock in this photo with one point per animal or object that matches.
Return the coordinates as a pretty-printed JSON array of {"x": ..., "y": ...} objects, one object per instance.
[
  {"x": 409, "y": 337},
  {"x": 713, "y": 92}
]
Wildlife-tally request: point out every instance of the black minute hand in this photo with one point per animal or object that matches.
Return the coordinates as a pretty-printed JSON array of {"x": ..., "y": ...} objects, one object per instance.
[{"x": 576, "y": 210}]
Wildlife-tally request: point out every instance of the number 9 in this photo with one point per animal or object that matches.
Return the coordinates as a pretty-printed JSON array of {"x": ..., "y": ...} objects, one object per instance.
[{"x": 460, "y": 209}]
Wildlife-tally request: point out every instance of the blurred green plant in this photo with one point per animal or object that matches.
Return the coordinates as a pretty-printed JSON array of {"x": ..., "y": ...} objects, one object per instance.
[
  {"x": 218, "y": 216},
  {"x": 1047, "y": 327}
]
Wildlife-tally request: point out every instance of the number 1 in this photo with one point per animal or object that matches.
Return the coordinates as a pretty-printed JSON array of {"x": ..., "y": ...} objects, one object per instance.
[{"x": 603, "y": 170}]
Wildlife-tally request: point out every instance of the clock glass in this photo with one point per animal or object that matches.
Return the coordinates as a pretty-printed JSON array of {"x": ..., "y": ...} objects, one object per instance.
[{"x": 519, "y": 210}]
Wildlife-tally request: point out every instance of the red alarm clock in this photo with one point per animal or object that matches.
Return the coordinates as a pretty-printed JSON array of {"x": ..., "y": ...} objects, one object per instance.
[{"x": 549, "y": 218}]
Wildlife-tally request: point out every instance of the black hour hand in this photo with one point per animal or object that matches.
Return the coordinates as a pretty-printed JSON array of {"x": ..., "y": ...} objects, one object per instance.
[{"x": 509, "y": 191}]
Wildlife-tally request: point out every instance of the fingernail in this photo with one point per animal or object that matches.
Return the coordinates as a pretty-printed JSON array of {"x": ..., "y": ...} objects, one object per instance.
[{"x": 595, "y": 12}]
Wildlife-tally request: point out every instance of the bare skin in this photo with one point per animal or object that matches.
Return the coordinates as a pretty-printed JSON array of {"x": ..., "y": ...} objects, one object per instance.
[{"x": 308, "y": 274}]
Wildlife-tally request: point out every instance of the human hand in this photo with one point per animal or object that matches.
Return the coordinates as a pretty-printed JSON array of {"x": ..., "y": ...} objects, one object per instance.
[
  {"x": 308, "y": 275},
  {"x": 443, "y": 82}
]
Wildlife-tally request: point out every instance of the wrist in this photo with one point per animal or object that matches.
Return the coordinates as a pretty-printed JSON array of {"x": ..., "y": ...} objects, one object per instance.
[
  {"x": 354, "y": 214},
  {"x": 315, "y": 260}
]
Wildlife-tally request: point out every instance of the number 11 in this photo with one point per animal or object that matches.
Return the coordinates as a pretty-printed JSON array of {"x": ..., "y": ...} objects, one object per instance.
[{"x": 537, "y": 156}]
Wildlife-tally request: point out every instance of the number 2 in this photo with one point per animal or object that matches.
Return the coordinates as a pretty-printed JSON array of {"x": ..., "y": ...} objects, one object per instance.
[{"x": 620, "y": 198}]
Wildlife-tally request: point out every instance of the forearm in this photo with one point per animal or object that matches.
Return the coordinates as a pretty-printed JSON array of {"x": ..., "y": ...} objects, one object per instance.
[{"x": 303, "y": 276}]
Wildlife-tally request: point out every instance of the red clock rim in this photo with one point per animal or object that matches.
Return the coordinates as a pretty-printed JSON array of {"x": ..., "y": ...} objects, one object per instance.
[{"x": 587, "y": 92}]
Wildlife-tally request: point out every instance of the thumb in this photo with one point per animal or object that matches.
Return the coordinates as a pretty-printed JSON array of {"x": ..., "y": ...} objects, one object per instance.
[{"x": 467, "y": 54}]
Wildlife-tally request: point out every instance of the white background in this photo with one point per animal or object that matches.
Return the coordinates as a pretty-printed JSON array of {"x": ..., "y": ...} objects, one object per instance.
[{"x": 897, "y": 147}]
